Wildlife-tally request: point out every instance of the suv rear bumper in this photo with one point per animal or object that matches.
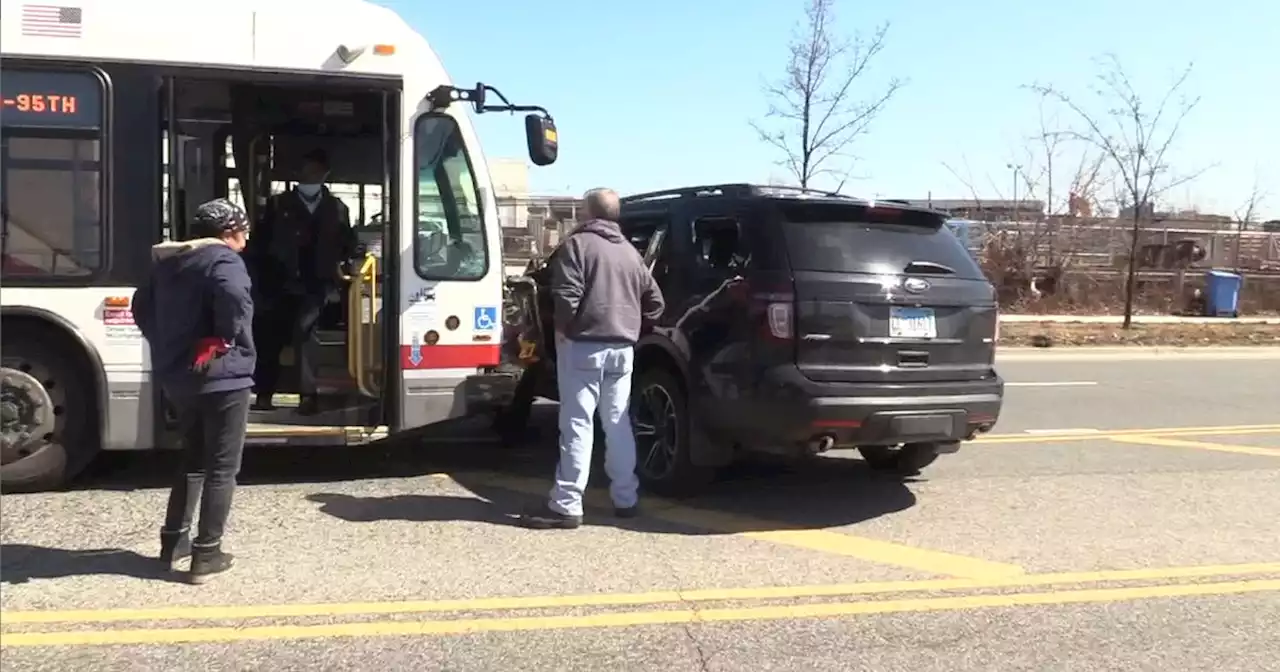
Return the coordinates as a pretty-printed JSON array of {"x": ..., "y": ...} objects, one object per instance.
[{"x": 794, "y": 411}]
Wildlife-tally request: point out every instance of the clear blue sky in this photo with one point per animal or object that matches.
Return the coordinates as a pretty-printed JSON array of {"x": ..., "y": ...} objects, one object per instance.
[{"x": 661, "y": 93}]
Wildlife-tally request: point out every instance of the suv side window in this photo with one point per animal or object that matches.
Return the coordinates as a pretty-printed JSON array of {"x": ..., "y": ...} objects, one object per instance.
[
  {"x": 642, "y": 230},
  {"x": 718, "y": 245},
  {"x": 648, "y": 233}
]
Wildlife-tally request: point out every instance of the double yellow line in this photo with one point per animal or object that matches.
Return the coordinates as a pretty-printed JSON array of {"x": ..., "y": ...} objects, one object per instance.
[{"x": 681, "y": 607}]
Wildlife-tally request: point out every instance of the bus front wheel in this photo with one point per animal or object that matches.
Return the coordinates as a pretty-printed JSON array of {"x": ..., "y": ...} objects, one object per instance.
[{"x": 46, "y": 412}]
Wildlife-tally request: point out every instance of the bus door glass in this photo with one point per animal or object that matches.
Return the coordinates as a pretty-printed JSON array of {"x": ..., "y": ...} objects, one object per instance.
[{"x": 451, "y": 283}]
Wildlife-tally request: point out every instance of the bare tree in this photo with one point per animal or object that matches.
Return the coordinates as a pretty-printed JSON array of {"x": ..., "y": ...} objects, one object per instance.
[
  {"x": 1135, "y": 137},
  {"x": 1029, "y": 257},
  {"x": 1247, "y": 215},
  {"x": 815, "y": 109}
]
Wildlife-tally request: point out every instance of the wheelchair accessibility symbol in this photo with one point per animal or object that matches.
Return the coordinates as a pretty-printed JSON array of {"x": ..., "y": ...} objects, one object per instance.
[{"x": 486, "y": 318}]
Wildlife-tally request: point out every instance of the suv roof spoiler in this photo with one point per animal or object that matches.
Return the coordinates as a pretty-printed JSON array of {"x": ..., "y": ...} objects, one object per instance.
[
  {"x": 747, "y": 190},
  {"x": 735, "y": 190}
]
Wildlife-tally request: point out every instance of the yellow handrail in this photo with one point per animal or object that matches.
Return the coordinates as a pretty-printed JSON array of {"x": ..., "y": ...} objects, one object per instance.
[{"x": 356, "y": 355}]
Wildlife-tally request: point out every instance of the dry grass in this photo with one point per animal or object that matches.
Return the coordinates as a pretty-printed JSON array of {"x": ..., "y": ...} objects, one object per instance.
[{"x": 1049, "y": 334}]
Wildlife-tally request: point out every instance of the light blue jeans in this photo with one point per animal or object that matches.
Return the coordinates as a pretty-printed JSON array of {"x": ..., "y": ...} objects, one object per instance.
[{"x": 594, "y": 376}]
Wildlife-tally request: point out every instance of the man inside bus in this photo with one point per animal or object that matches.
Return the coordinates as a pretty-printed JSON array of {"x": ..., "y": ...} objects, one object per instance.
[
  {"x": 603, "y": 296},
  {"x": 303, "y": 237},
  {"x": 196, "y": 313}
]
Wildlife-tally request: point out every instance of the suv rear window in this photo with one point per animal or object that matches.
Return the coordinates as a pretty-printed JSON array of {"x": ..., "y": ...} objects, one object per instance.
[{"x": 847, "y": 238}]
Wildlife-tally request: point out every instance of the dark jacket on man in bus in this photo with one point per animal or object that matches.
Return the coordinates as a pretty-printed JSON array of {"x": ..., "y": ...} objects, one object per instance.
[{"x": 301, "y": 238}]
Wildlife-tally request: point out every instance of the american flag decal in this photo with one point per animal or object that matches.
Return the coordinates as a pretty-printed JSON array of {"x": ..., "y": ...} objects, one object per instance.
[{"x": 52, "y": 21}]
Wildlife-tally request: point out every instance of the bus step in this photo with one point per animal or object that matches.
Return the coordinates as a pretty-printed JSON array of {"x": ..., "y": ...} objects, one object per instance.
[{"x": 259, "y": 434}]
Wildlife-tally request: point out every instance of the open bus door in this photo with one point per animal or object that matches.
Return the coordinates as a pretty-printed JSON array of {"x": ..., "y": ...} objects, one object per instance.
[{"x": 266, "y": 128}]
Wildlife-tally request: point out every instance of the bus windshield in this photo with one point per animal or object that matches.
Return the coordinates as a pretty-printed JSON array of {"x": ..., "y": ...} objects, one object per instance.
[{"x": 449, "y": 236}]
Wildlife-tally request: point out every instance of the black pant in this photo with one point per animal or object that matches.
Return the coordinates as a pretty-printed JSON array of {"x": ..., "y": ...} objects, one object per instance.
[
  {"x": 287, "y": 320},
  {"x": 213, "y": 429}
]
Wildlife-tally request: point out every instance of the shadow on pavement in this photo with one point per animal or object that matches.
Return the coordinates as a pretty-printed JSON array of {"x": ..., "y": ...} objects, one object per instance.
[
  {"x": 23, "y": 562},
  {"x": 412, "y": 508},
  {"x": 817, "y": 493}
]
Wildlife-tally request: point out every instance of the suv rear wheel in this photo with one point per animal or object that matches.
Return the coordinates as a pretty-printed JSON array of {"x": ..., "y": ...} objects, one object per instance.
[
  {"x": 906, "y": 460},
  {"x": 662, "y": 425}
]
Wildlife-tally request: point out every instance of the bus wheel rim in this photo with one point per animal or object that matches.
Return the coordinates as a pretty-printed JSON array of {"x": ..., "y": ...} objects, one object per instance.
[{"x": 27, "y": 419}]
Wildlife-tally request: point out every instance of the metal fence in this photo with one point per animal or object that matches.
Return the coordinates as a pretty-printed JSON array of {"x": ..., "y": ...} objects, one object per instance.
[{"x": 1105, "y": 244}]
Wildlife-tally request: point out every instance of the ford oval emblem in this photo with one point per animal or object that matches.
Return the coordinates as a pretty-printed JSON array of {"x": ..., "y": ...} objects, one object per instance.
[{"x": 915, "y": 285}]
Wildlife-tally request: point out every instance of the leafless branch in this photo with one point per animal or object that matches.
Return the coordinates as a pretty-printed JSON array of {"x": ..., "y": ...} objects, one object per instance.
[
  {"x": 967, "y": 182},
  {"x": 1246, "y": 215},
  {"x": 1137, "y": 145},
  {"x": 814, "y": 113}
]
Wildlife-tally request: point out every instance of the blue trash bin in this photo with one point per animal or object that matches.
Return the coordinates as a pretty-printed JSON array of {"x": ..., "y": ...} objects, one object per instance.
[{"x": 1222, "y": 294}]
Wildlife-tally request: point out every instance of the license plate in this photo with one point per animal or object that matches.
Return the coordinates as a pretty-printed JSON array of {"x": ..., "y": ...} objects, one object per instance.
[{"x": 912, "y": 323}]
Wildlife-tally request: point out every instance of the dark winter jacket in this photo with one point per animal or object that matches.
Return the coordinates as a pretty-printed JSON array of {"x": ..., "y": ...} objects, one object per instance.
[
  {"x": 197, "y": 289},
  {"x": 601, "y": 288},
  {"x": 297, "y": 251}
]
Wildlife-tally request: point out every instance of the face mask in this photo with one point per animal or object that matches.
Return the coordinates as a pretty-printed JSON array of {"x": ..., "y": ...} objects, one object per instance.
[{"x": 309, "y": 190}]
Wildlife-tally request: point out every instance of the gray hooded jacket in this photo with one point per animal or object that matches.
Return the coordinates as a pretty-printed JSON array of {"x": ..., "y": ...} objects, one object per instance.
[{"x": 601, "y": 288}]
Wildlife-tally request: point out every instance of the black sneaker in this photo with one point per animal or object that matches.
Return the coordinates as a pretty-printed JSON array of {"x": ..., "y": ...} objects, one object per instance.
[
  {"x": 208, "y": 562},
  {"x": 544, "y": 518},
  {"x": 626, "y": 511},
  {"x": 263, "y": 402},
  {"x": 174, "y": 547}
]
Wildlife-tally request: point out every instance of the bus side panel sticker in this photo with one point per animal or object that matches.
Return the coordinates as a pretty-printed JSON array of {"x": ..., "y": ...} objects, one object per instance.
[
  {"x": 486, "y": 318},
  {"x": 119, "y": 326},
  {"x": 420, "y": 315}
]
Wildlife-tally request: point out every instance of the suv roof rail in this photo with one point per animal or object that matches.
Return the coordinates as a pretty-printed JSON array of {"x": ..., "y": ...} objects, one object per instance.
[{"x": 733, "y": 189}]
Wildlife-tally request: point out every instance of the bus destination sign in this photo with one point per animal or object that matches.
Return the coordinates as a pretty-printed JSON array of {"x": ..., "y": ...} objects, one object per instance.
[{"x": 61, "y": 99}]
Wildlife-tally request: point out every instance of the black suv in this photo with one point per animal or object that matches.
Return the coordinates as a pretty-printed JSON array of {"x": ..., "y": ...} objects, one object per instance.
[{"x": 797, "y": 321}]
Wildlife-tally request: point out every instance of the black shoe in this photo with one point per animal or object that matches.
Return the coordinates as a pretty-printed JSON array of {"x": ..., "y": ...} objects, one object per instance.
[
  {"x": 263, "y": 402},
  {"x": 543, "y": 518},
  {"x": 175, "y": 546},
  {"x": 626, "y": 511},
  {"x": 208, "y": 562},
  {"x": 309, "y": 404}
]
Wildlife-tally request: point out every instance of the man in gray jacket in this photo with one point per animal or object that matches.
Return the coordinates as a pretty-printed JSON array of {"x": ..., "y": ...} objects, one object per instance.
[{"x": 604, "y": 297}]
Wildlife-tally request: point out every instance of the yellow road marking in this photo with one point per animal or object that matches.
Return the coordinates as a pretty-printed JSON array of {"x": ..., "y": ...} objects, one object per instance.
[
  {"x": 209, "y": 613},
  {"x": 840, "y": 543},
  {"x": 1107, "y": 434},
  {"x": 1199, "y": 445},
  {"x": 629, "y": 619},
  {"x": 823, "y": 541}
]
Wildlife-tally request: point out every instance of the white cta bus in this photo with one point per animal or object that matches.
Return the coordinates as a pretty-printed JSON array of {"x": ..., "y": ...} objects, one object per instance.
[{"x": 121, "y": 116}]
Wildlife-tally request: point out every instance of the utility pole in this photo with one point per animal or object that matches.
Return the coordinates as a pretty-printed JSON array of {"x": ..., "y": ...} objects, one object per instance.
[{"x": 1015, "y": 169}]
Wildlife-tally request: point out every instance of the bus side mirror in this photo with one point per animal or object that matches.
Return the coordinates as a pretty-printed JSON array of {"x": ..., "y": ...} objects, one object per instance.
[{"x": 544, "y": 142}]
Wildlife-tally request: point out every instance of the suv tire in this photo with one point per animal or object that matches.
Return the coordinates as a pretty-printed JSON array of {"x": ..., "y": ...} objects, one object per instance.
[
  {"x": 661, "y": 421},
  {"x": 907, "y": 460}
]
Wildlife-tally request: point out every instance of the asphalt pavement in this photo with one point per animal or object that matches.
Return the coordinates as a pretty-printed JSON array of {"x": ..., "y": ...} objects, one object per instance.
[{"x": 1124, "y": 515}]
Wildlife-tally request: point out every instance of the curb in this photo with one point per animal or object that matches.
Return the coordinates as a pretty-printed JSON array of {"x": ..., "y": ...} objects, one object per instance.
[
  {"x": 1103, "y": 353},
  {"x": 1137, "y": 319}
]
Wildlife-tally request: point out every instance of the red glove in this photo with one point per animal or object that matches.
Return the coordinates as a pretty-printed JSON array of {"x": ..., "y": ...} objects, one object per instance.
[{"x": 207, "y": 350}]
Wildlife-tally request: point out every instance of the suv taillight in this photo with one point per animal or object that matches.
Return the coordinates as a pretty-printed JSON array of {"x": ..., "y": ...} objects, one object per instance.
[
  {"x": 780, "y": 317},
  {"x": 995, "y": 337},
  {"x": 777, "y": 309}
]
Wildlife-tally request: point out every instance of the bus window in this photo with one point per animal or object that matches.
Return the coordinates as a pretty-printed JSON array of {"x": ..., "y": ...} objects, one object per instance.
[
  {"x": 449, "y": 237},
  {"x": 51, "y": 173}
]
